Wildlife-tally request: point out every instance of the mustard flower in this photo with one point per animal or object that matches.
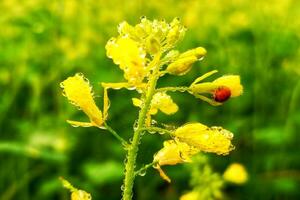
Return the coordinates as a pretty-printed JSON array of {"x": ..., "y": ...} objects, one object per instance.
[
  {"x": 161, "y": 101},
  {"x": 173, "y": 152},
  {"x": 154, "y": 36},
  {"x": 79, "y": 92},
  {"x": 130, "y": 57},
  {"x": 221, "y": 89},
  {"x": 236, "y": 173},
  {"x": 213, "y": 140}
]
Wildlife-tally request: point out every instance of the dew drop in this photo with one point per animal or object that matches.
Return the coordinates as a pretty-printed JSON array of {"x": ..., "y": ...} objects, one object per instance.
[
  {"x": 142, "y": 172},
  {"x": 135, "y": 125},
  {"x": 122, "y": 187}
]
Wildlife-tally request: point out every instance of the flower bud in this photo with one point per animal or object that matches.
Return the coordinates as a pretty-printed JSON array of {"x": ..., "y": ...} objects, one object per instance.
[
  {"x": 199, "y": 52},
  {"x": 152, "y": 45},
  {"x": 181, "y": 66}
]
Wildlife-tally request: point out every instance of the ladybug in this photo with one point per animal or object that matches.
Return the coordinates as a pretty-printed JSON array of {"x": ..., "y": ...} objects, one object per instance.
[{"x": 221, "y": 94}]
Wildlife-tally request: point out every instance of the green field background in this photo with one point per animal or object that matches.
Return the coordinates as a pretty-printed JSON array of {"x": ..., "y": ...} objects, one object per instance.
[{"x": 44, "y": 41}]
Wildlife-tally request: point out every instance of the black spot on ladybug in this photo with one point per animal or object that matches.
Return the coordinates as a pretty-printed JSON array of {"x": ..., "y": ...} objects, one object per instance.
[{"x": 221, "y": 94}]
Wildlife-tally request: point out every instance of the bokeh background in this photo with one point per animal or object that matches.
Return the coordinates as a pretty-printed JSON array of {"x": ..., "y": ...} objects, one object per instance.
[{"x": 44, "y": 41}]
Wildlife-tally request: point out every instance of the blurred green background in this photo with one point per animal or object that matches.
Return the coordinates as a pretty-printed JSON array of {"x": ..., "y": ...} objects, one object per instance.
[{"x": 44, "y": 41}]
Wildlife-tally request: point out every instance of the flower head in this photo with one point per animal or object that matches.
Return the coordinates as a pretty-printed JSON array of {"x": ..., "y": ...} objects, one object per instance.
[
  {"x": 154, "y": 36},
  {"x": 236, "y": 173},
  {"x": 221, "y": 89},
  {"x": 232, "y": 82},
  {"x": 173, "y": 152},
  {"x": 126, "y": 53},
  {"x": 79, "y": 92},
  {"x": 214, "y": 140},
  {"x": 161, "y": 101}
]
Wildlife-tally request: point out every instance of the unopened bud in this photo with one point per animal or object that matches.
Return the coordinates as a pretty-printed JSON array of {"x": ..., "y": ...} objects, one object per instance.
[
  {"x": 199, "y": 52},
  {"x": 152, "y": 45},
  {"x": 181, "y": 66}
]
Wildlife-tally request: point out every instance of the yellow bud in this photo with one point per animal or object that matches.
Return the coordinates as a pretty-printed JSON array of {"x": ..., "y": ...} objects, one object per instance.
[
  {"x": 175, "y": 33},
  {"x": 161, "y": 101},
  {"x": 214, "y": 140},
  {"x": 181, "y": 66},
  {"x": 152, "y": 45},
  {"x": 232, "y": 82},
  {"x": 79, "y": 92},
  {"x": 164, "y": 102},
  {"x": 236, "y": 173},
  {"x": 199, "y": 52}
]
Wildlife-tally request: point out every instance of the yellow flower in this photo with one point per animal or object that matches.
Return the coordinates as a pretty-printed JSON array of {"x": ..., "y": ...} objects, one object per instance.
[
  {"x": 193, "y": 195},
  {"x": 79, "y": 92},
  {"x": 236, "y": 173},
  {"x": 76, "y": 194},
  {"x": 173, "y": 152},
  {"x": 161, "y": 101},
  {"x": 221, "y": 89},
  {"x": 154, "y": 36},
  {"x": 232, "y": 82},
  {"x": 126, "y": 53},
  {"x": 214, "y": 140}
]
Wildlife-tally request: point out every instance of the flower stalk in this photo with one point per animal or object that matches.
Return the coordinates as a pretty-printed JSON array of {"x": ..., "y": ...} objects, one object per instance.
[{"x": 133, "y": 147}]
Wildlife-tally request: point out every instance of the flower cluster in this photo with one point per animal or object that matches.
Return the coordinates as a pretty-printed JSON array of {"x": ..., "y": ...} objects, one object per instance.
[
  {"x": 190, "y": 139},
  {"x": 144, "y": 52}
]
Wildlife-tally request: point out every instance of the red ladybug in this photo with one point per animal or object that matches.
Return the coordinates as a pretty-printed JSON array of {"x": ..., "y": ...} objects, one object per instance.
[{"x": 221, "y": 94}]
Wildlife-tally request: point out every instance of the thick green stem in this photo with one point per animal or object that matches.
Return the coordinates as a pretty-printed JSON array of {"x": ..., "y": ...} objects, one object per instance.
[{"x": 133, "y": 148}]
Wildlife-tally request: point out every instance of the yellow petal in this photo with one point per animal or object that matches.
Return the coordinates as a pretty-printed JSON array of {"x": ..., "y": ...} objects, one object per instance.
[
  {"x": 232, "y": 82},
  {"x": 162, "y": 174},
  {"x": 174, "y": 152},
  {"x": 126, "y": 53},
  {"x": 214, "y": 140},
  {"x": 164, "y": 102},
  {"x": 79, "y": 92}
]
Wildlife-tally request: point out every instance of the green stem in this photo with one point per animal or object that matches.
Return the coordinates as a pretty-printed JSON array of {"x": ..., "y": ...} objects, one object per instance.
[
  {"x": 144, "y": 168},
  {"x": 157, "y": 129},
  {"x": 133, "y": 148},
  {"x": 173, "y": 89},
  {"x": 114, "y": 133}
]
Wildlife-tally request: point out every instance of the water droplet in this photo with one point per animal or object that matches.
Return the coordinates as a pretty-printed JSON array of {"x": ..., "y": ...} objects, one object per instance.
[
  {"x": 122, "y": 187},
  {"x": 135, "y": 125},
  {"x": 142, "y": 172}
]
